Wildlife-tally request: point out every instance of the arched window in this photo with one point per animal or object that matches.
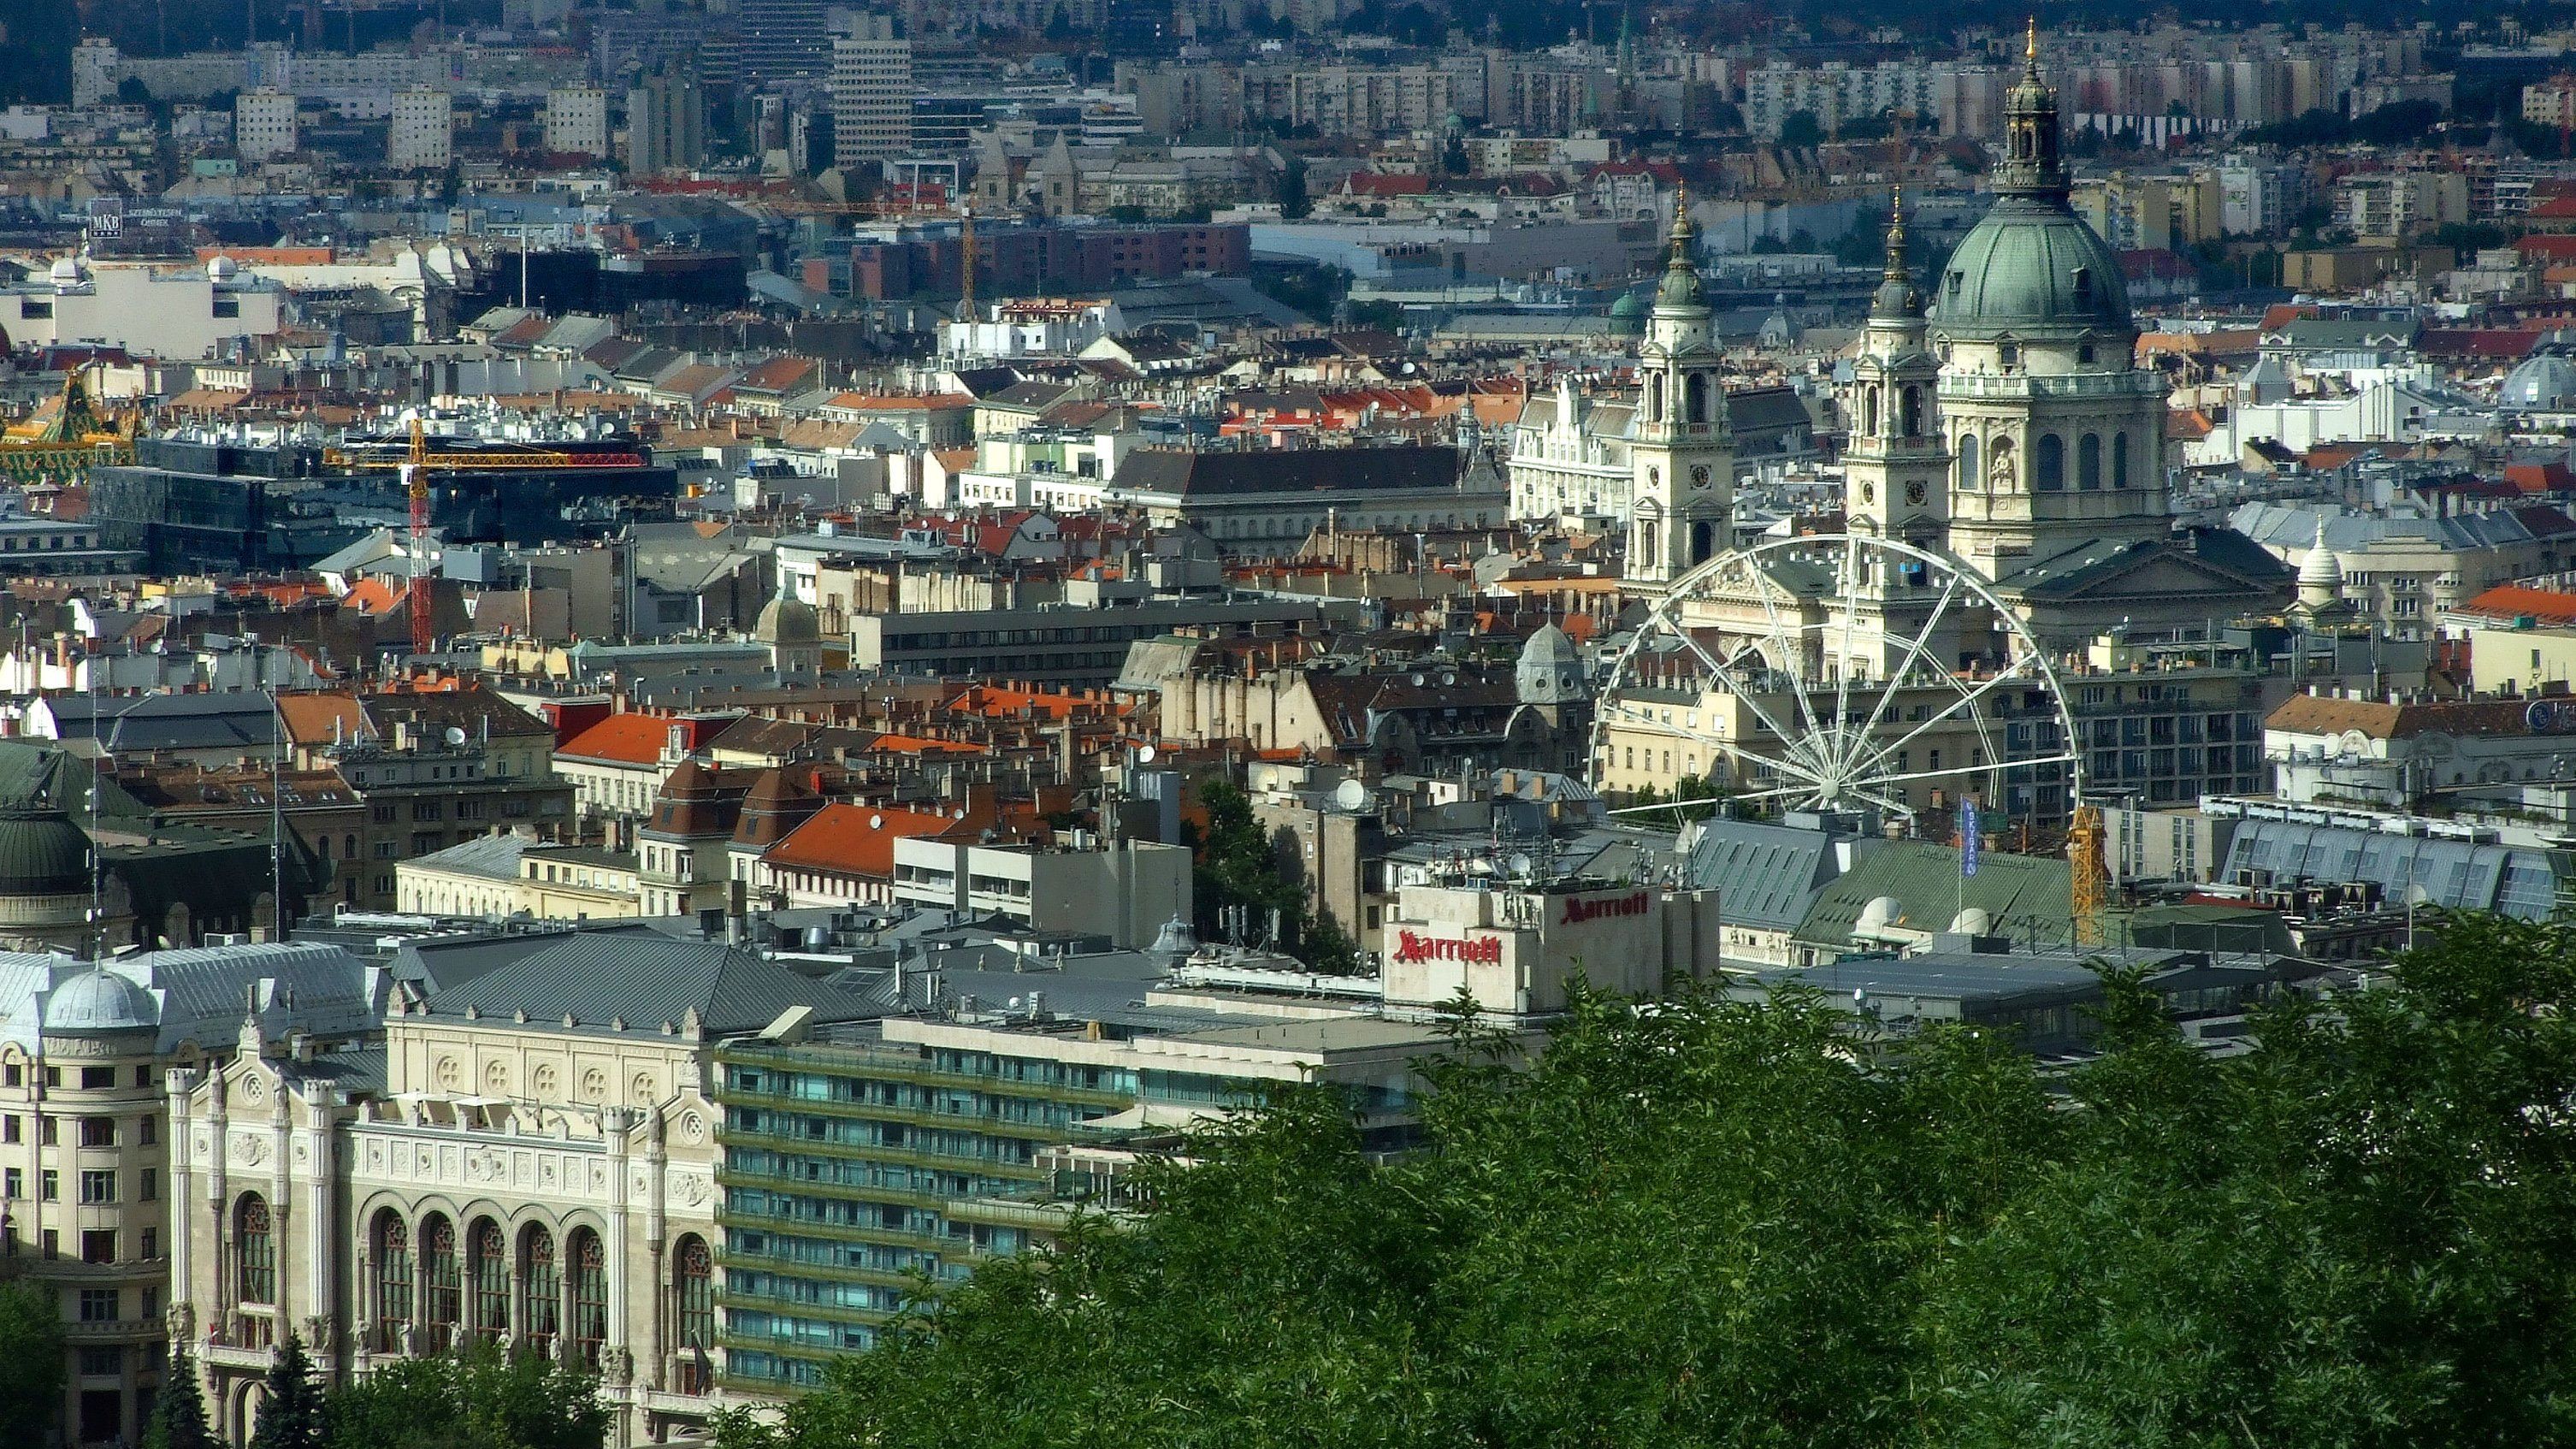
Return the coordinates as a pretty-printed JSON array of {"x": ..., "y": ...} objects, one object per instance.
[
  {"x": 2048, "y": 463},
  {"x": 540, "y": 1289},
  {"x": 2088, "y": 461},
  {"x": 1695, "y": 399},
  {"x": 1869, "y": 410},
  {"x": 589, "y": 1327},
  {"x": 442, "y": 1292},
  {"x": 693, "y": 1305},
  {"x": 254, "y": 1251},
  {"x": 391, "y": 1245},
  {"x": 1912, "y": 410},
  {"x": 2119, "y": 460},
  {"x": 1967, "y": 460},
  {"x": 488, "y": 1259},
  {"x": 1655, "y": 397}
]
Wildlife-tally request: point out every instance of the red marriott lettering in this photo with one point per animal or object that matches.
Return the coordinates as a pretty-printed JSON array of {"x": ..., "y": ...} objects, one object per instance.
[
  {"x": 1411, "y": 947},
  {"x": 1578, "y": 909}
]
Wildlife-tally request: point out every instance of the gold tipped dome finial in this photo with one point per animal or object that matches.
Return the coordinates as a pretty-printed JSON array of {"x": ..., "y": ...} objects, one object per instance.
[
  {"x": 2030, "y": 44},
  {"x": 1896, "y": 234}
]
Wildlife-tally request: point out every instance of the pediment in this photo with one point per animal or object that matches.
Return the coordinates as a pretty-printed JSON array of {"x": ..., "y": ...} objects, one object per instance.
[{"x": 2150, "y": 572}]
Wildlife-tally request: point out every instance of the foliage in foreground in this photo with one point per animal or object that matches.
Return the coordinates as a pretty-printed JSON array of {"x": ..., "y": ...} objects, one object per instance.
[
  {"x": 31, "y": 1355},
  {"x": 476, "y": 1399},
  {"x": 1704, "y": 1226}
]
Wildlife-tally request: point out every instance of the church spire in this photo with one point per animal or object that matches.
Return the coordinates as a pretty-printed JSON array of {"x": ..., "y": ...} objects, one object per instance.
[
  {"x": 2031, "y": 164},
  {"x": 1896, "y": 296},
  {"x": 1681, "y": 288}
]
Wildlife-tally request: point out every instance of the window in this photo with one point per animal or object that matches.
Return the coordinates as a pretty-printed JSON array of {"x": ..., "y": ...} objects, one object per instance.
[
  {"x": 13, "y": 1182},
  {"x": 98, "y": 1132},
  {"x": 488, "y": 1261},
  {"x": 2048, "y": 463},
  {"x": 98, "y": 1079},
  {"x": 254, "y": 1251},
  {"x": 147, "y": 1130},
  {"x": 97, "y": 1186},
  {"x": 441, "y": 1289},
  {"x": 589, "y": 1297},
  {"x": 227, "y": 306},
  {"x": 102, "y": 1361},
  {"x": 143, "y": 1078},
  {"x": 1967, "y": 460},
  {"x": 98, "y": 1245},
  {"x": 50, "y": 1186},
  {"x": 30, "y": 307},
  {"x": 10, "y": 1130},
  {"x": 694, "y": 1304},
  {"x": 13, "y": 1075},
  {"x": 2088, "y": 461},
  {"x": 151, "y": 1242},
  {"x": 147, "y": 1186},
  {"x": 2119, "y": 460},
  {"x": 392, "y": 1269},
  {"x": 99, "y": 1305},
  {"x": 540, "y": 1289},
  {"x": 47, "y": 1130}
]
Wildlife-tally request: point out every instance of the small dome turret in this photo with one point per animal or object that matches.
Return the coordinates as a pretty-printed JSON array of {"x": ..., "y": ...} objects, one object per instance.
[{"x": 99, "y": 1000}]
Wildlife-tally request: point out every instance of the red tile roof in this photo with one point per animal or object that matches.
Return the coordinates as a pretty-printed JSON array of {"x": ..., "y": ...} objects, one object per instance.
[
  {"x": 2512, "y": 601},
  {"x": 620, "y": 739},
  {"x": 849, "y": 839}
]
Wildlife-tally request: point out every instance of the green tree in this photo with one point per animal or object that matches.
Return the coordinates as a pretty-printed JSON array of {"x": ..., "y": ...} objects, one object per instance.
[
  {"x": 473, "y": 1399},
  {"x": 179, "y": 1414},
  {"x": 1293, "y": 202},
  {"x": 1800, "y": 130},
  {"x": 31, "y": 1355},
  {"x": 1750, "y": 1222},
  {"x": 290, "y": 1417}
]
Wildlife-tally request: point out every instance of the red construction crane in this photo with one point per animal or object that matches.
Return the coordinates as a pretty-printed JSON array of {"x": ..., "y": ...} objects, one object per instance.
[{"x": 416, "y": 483}]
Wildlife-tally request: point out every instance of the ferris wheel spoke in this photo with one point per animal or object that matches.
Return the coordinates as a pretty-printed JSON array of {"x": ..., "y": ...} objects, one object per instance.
[
  {"x": 1991, "y": 767},
  {"x": 1966, "y": 699},
  {"x": 1918, "y": 649},
  {"x": 1794, "y": 640},
  {"x": 1724, "y": 676},
  {"x": 1851, "y": 609},
  {"x": 1720, "y": 743}
]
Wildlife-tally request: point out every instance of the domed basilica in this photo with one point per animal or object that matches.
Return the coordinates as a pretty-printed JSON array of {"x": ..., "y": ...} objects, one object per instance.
[{"x": 2001, "y": 420}]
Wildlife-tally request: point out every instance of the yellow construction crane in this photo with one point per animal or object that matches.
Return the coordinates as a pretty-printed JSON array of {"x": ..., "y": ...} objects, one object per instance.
[{"x": 2089, "y": 888}]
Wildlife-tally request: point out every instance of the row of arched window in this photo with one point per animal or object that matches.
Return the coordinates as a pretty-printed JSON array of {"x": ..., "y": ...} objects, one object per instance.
[
  {"x": 439, "y": 1286},
  {"x": 2048, "y": 471},
  {"x": 1694, "y": 397},
  {"x": 1909, "y": 411}
]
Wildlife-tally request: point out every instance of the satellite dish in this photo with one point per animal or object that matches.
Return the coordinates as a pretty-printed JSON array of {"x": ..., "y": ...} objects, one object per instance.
[
  {"x": 1520, "y": 865},
  {"x": 455, "y": 735},
  {"x": 876, "y": 822},
  {"x": 1145, "y": 754},
  {"x": 1350, "y": 795},
  {"x": 1419, "y": 681},
  {"x": 961, "y": 812}
]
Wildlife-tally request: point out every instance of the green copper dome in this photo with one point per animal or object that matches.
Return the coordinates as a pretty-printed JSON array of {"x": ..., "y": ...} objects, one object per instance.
[
  {"x": 1628, "y": 315},
  {"x": 2033, "y": 269},
  {"x": 42, "y": 853}
]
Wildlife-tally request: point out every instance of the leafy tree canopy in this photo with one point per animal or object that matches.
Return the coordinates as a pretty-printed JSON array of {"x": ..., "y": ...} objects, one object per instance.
[
  {"x": 473, "y": 1400},
  {"x": 1717, "y": 1224},
  {"x": 31, "y": 1354}
]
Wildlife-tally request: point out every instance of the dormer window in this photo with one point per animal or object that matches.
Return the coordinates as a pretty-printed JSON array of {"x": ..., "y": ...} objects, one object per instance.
[{"x": 2084, "y": 284}]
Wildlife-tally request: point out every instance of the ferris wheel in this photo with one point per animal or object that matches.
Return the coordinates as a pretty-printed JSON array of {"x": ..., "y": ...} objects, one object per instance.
[{"x": 1836, "y": 672}]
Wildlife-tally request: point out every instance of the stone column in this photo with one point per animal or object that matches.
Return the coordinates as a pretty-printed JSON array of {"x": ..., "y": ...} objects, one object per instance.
[
  {"x": 219, "y": 1196},
  {"x": 656, "y": 1164},
  {"x": 312, "y": 1174},
  {"x": 178, "y": 1082}
]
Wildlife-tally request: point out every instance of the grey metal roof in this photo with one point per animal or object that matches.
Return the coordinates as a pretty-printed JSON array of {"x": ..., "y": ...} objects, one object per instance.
[
  {"x": 495, "y": 857},
  {"x": 646, "y": 980},
  {"x": 2511, "y": 880},
  {"x": 202, "y": 994},
  {"x": 1764, "y": 875}
]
